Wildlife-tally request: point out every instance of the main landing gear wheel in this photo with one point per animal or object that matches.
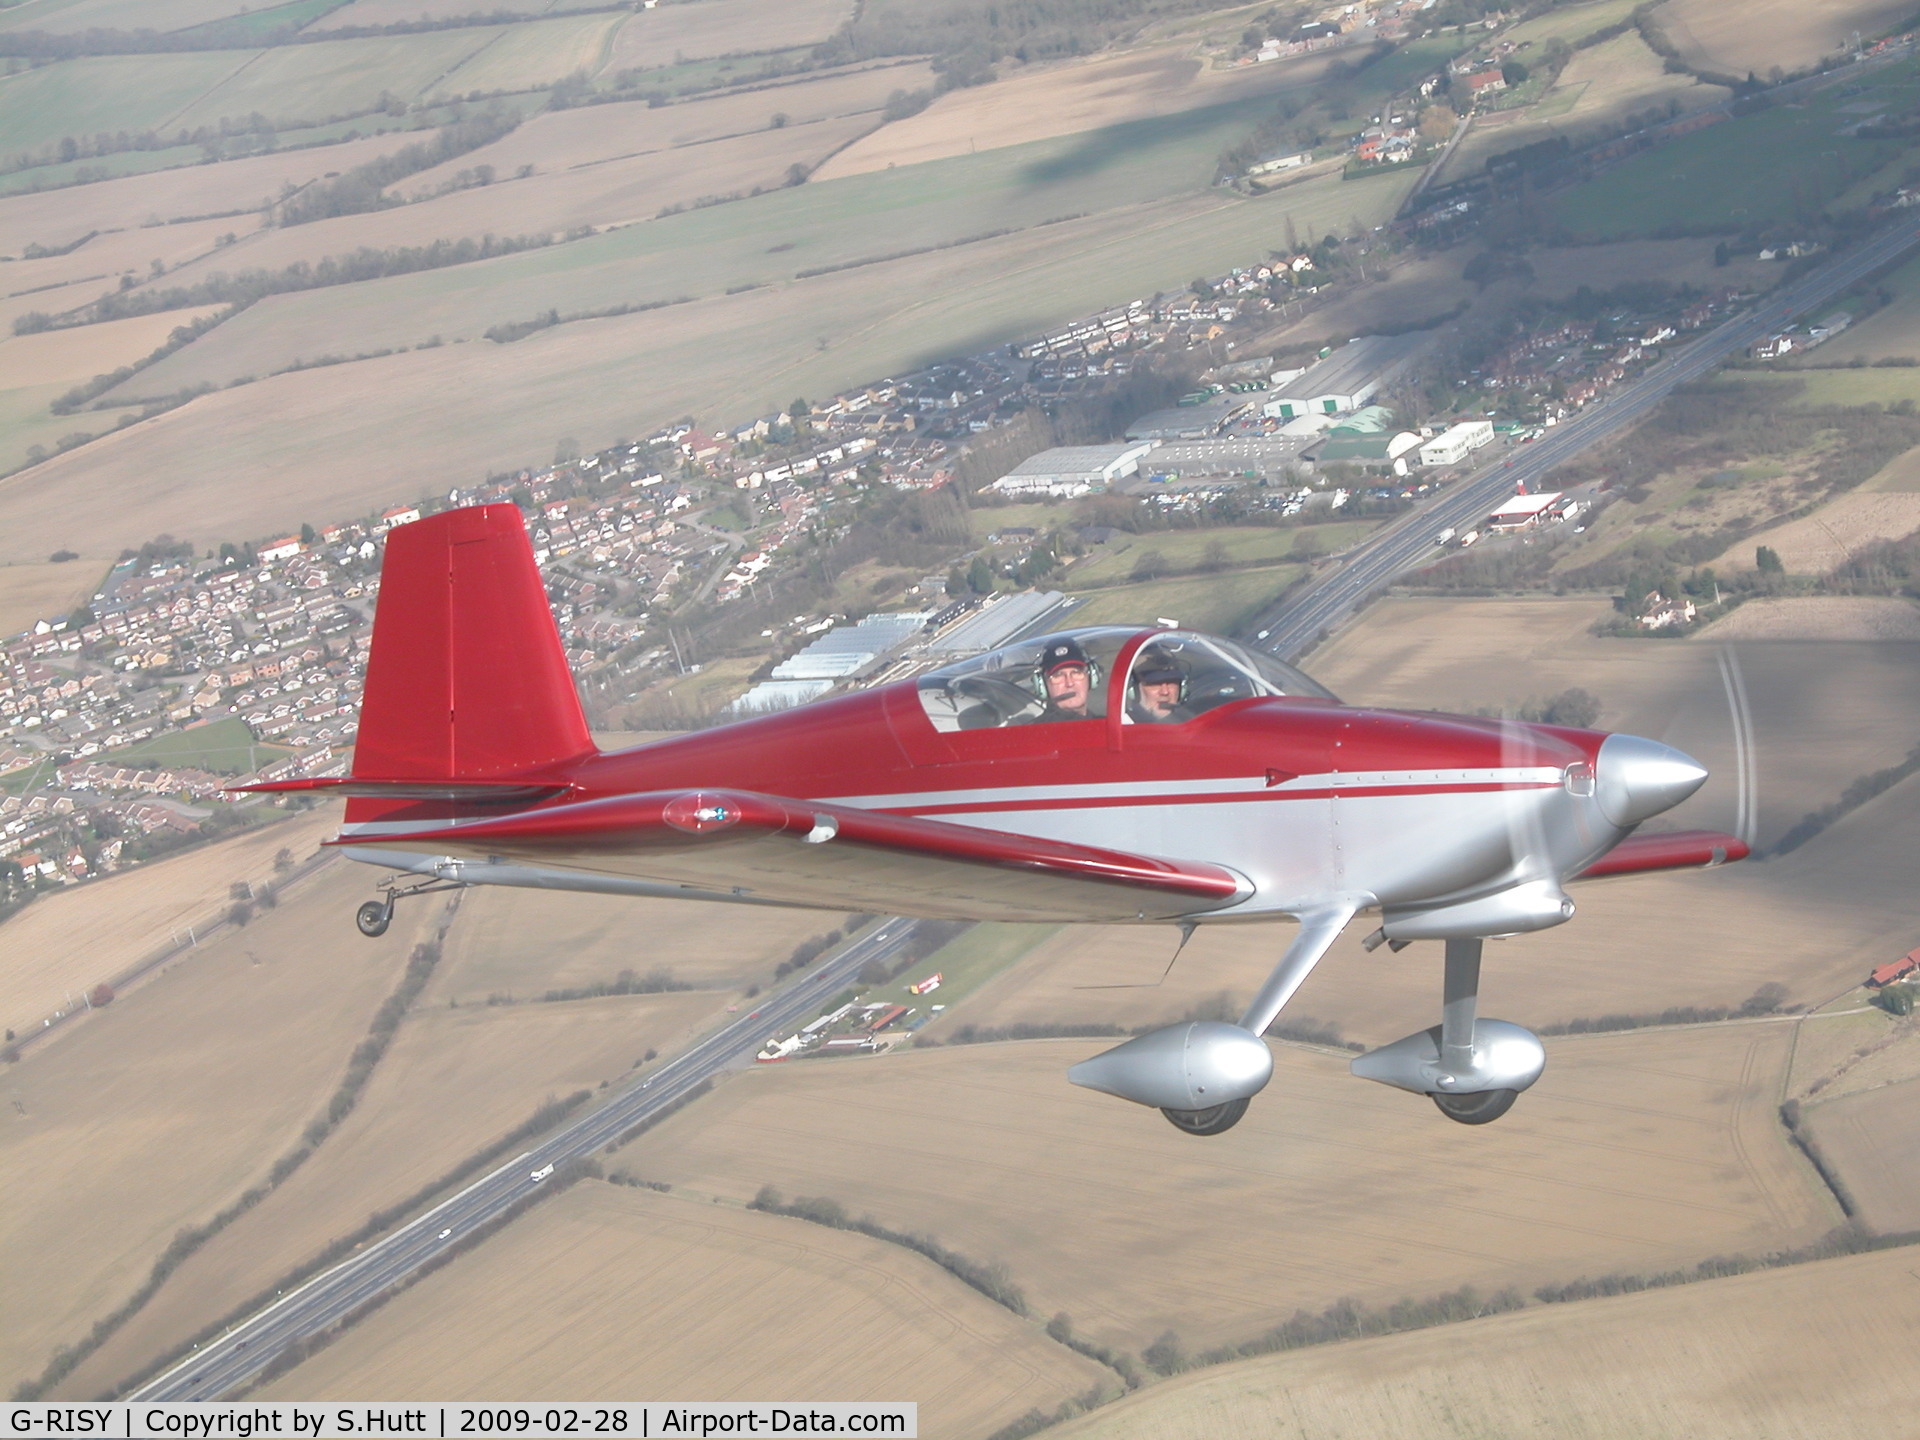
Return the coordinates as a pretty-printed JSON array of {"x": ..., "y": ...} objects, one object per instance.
[
  {"x": 1214, "y": 1120},
  {"x": 374, "y": 917},
  {"x": 1482, "y": 1107}
]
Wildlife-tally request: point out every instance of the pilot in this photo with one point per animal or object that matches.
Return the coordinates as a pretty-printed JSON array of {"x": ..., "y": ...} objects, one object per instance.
[
  {"x": 1067, "y": 676},
  {"x": 1158, "y": 685}
]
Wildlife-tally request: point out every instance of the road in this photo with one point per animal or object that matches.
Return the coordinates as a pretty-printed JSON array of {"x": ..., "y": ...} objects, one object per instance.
[
  {"x": 223, "y": 1365},
  {"x": 1289, "y": 630}
]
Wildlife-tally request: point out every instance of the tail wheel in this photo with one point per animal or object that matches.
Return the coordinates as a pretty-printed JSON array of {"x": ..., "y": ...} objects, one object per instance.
[
  {"x": 373, "y": 918},
  {"x": 1214, "y": 1120},
  {"x": 1482, "y": 1107}
]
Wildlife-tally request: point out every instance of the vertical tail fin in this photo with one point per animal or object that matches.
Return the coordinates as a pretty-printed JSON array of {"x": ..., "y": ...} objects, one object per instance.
[{"x": 467, "y": 679}]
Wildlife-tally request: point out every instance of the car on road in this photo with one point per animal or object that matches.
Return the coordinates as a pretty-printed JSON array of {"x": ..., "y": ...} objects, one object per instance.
[
  {"x": 542, "y": 1173},
  {"x": 445, "y": 1233}
]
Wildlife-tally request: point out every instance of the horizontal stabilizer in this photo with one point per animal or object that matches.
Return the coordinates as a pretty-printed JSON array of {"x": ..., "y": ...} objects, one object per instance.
[
  {"x": 835, "y": 856},
  {"x": 1676, "y": 850},
  {"x": 483, "y": 792}
]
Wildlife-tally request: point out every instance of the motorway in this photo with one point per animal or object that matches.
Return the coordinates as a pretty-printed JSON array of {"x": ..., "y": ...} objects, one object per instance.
[
  {"x": 223, "y": 1365},
  {"x": 1294, "y": 627},
  {"x": 1288, "y": 631}
]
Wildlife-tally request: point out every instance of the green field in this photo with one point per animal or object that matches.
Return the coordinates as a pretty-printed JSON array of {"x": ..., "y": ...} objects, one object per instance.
[
  {"x": 1219, "y": 603},
  {"x": 525, "y": 57},
  {"x": 767, "y": 239},
  {"x": 1708, "y": 180},
  {"x": 1183, "y": 550},
  {"x": 226, "y": 747},
  {"x": 107, "y": 92},
  {"x": 1571, "y": 23},
  {"x": 336, "y": 77},
  {"x": 963, "y": 965}
]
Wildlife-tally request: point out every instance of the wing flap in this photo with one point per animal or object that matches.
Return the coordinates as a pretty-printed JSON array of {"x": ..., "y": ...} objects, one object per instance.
[
  {"x": 793, "y": 851},
  {"x": 1674, "y": 850}
]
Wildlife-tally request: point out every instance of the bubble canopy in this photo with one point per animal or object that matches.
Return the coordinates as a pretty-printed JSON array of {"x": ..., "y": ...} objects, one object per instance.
[{"x": 1171, "y": 676}]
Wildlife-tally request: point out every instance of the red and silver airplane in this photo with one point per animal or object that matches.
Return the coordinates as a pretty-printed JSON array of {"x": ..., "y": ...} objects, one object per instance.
[{"x": 1108, "y": 775}]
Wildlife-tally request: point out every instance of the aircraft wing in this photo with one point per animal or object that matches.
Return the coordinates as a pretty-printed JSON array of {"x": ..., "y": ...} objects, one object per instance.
[
  {"x": 1674, "y": 850},
  {"x": 796, "y": 852}
]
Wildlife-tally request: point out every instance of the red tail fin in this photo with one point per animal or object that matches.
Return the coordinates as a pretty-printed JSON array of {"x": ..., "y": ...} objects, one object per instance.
[{"x": 467, "y": 679}]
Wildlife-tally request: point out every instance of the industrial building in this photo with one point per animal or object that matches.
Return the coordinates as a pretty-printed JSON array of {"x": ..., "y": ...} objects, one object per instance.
[
  {"x": 1344, "y": 380},
  {"x": 847, "y": 652},
  {"x": 1073, "y": 469},
  {"x": 1368, "y": 438},
  {"x": 1457, "y": 442}
]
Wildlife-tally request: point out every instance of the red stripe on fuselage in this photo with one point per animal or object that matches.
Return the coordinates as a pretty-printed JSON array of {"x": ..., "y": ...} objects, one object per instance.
[{"x": 1109, "y": 802}]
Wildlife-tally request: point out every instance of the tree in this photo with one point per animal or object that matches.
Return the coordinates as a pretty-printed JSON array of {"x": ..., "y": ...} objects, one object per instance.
[
  {"x": 1201, "y": 288},
  {"x": 1166, "y": 1354},
  {"x": 283, "y": 859},
  {"x": 1766, "y": 560},
  {"x": 1437, "y": 122},
  {"x": 1151, "y": 565},
  {"x": 980, "y": 576},
  {"x": 101, "y": 994},
  {"x": 1513, "y": 72},
  {"x": 1215, "y": 556}
]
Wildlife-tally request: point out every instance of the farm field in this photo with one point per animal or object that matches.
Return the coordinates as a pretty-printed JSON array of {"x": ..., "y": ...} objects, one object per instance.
[
  {"x": 567, "y": 139},
  {"x": 75, "y": 938},
  {"x": 454, "y": 1082},
  {"x": 715, "y": 1292},
  {"x": 61, "y": 17},
  {"x": 54, "y": 218},
  {"x": 109, "y": 92},
  {"x": 1699, "y": 180},
  {"x": 1758, "y": 35},
  {"x": 399, "y": 12},
  {"x": 1571, "y": 23},
  {"x": 1633, "y": 1152},
  {"x": 1778, "y": 1352},
  {"x": 63, "y": 282},
  {"x": 523, "y": 943},
  {"x": 763, "y": 240},
  {"x": 1077, "y": 98},
  {"x": 607, "y": 193},
  {"x": 44, "y": 592},
  {"x": 65, "y": 357},
  {"x": 1872, "y": 1139},
  {"x": 527, "y": 56},
  {"x": 334, "y": 77},
  {"x": 1187, "y": 549},
  {"x": 669, "y": 34},
  {"x": 1206, "y": 602},
  {"x": 1819, "y": 617},
  {"x": 1597, "y": 90},
  {"x": 349, "y": 438},
  {"x": 1817, "y": 543},
  {"x": 158, "y": 1111}
]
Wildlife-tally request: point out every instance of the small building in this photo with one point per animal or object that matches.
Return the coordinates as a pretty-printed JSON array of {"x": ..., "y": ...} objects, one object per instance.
[
  {"x": 1073, "y": 469},
  {"x": 282, "y": 549},
  {"x": 1524, "y": 512},
  {"x": 401, "y": 515},
  {"x": 1894, "y": 971},
  {"x": 1660, "y": 613},
  {"x": 1456, "y": 442}
]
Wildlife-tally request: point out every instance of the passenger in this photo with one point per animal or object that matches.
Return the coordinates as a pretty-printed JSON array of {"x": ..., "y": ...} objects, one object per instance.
[
  {"x": 1158, "y": 686},
  {"x": 1067, "y": 676}
]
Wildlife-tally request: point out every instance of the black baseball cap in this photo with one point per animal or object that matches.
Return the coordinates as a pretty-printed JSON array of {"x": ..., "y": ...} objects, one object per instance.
[
  {"x": 1061, "y": 652},
  {"x": 1158, "y": 672}
]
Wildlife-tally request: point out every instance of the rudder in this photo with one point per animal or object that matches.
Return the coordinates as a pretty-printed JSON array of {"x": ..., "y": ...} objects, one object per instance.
[{"x": 467, "y": 678}]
